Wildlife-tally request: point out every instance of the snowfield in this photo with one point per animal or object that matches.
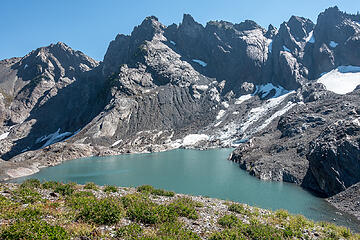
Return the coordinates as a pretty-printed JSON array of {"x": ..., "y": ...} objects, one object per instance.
[
  {"x": 243, "y": 98},
  {"x": 310, "y": 38},
  {"x": 192, "y": 139},
  {"x": 341, "y": 80},
  {"x": 265, "y": 90},
  {"x": 4, "y": 135}
]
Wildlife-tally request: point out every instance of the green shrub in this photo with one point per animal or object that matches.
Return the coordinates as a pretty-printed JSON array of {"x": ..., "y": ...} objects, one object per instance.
[
  {"x": 132, "y": 231},
  {"x": 175, "y": 230},
  {"x": 26, "y": 195},
  {"x": 29, "y": 214},
  {"x": 77, "y": 201},
  {"x": 50, "y": 185},
  {"x": 91, "y": 185},
  {"x": 65, "y": 189},
  {"x": 151, "y": 190},
  {"x": 185, "y": 207},
  {"x": 110, "y": 189},
  {"x": 83, "y": 194},
  {"x": 33, "y": 230},
  {"x": 6, "y": 204},
  {"x": 262, "y": 232},
  {"x": 228, "y": 221},
  {"x": 228, "y": 234},
  {"x": 31, "y": 183},
  {"x": 282, "y": 214},
  {"x": 145, "y": 189},
  {"x": 141, "y": 209},
  {"x": 162, "y": 192},
  {"x": 98, "y": 211},
  {"x": 296, "y": 224},
  {"x": 239, "y": 208}
]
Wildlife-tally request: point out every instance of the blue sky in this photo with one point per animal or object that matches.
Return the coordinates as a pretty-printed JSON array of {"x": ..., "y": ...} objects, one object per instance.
[{"x": 89, "y": 25}]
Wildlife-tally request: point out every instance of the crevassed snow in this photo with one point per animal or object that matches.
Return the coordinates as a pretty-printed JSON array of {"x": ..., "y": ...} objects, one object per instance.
[
  {"x": 116, "y": 143},
  {"x": 220, "y": 114},
  {"x": 310, "y": 38},
  {"x": 173, "y": 43},
  {"x": 265, "y": 89},
  {"x": 258, "y": 112},
  {"x": 192, "y": 139},
  {"x": 4, "y": 135},
  {"x": 279, "y": 113},
  {"x": 53, "y": 138},
  {"x": 333, "y": 44},
  {"x": 286, "y": 49},
  {"x": 341, "y": 80},
  {"x": 269, "y": 42},
  {"x": 243, "y": 98},
  {"x": 202, "y": 63}
]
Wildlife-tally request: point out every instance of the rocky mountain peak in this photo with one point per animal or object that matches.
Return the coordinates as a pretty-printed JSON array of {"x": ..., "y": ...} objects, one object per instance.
[
  {"x": 190, "y": 27},
  {"x": 271, "y": 32},
  {"x": 188, "y": 20},
  {"x": 147, "y": 29},
  {"x": 300, "y": 27},
  {"x": 247, "y": 25}
]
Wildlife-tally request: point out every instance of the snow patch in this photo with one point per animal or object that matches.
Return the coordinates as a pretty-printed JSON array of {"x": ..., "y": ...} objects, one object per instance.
[
  {"x": 4, "y": 135},
  {"x": 26, "y": 66},
  {"x": 220, "y": 114},
  {"x": 258, "y": 112},
  {"x": 21, "y": 172},
  {"x": 270, "y": 43},
  {"x": 116, "y": 143},
  {"x": 225, "y": 104},
  {"x": 310, "y": 38},
  {"x": 286, "y": 49},
  {"x": 356, "y": 121},
  {"x": 201, "y": 87},
  {"x": 192, "y": 139},
  {"x": 53, "y": 138},
  {"x": 264, "y": 90},
  {"x": 333, "y": 44},
  {"x": 242, "y": 99},
  {"x": 202, "y": 63},
  {"x": 341, "y": 80},
  {"x": 173, "y": 43},
  {"x": 235, "y": 113},
  {"x": 279, "y": 113},
  {"x": 217, "y": 124}
]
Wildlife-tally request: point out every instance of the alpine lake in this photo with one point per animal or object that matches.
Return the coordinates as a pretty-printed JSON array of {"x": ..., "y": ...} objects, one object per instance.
[{"x": 207, "y": 173}]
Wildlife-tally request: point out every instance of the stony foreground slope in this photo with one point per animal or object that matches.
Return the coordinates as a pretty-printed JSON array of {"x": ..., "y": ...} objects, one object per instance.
[{"x": 68, "y": 211}]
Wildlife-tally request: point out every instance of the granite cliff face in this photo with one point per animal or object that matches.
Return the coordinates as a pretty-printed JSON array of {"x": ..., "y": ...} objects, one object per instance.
[{"x": 189, "y": 85}]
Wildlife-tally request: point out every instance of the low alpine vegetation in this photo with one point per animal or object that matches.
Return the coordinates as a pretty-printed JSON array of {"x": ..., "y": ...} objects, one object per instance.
[
  {"x": 52, "y": 210},
  {"x": 151, "y": 190}
]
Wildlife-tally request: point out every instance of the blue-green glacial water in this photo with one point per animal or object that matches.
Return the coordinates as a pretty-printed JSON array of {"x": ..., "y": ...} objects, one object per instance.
[{"x": 195, "y": 172}]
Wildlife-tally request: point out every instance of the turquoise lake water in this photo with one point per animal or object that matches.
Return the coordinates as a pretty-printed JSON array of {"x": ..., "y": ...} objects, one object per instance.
[{"x": 195, "y": 172}]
